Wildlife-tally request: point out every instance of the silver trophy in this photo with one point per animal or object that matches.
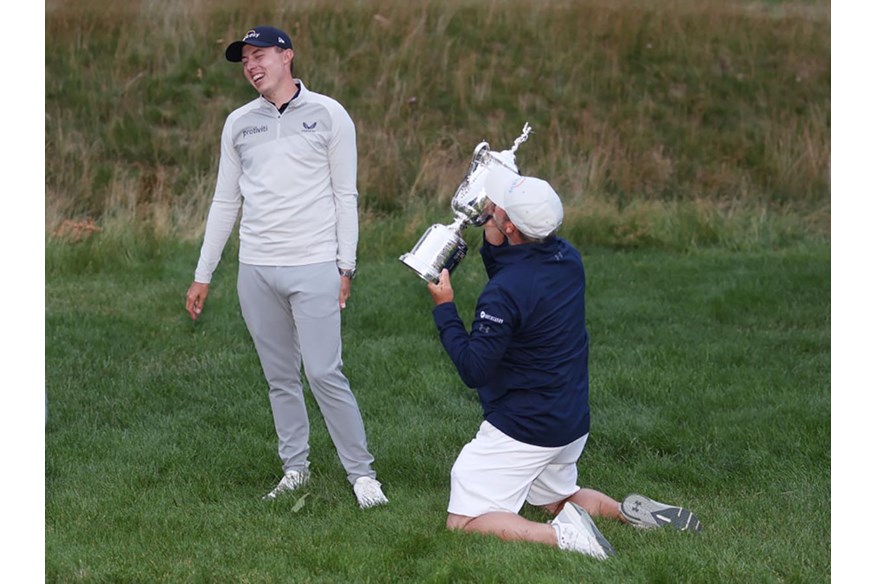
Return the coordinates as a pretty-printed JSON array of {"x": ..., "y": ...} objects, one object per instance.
[{"x": 442, "y": 246}]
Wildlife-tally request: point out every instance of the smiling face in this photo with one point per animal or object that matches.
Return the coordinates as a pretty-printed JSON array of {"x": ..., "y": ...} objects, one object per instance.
[{"x": 267, "y": 70}]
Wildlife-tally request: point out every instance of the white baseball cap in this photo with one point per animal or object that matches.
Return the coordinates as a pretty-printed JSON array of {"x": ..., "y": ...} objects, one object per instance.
[{"x": 531, "y": 203}]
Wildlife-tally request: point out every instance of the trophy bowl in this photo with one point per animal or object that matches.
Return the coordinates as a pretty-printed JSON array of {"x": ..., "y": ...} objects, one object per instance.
[
  {"x": 442, "y": 246},
  {"x": 471, "y": 198}
]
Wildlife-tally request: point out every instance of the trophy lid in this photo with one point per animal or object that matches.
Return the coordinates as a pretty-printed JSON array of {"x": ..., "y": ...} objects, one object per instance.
[
  {"x": 471, "y": 199},
  {"x": 506, "y": 158}
]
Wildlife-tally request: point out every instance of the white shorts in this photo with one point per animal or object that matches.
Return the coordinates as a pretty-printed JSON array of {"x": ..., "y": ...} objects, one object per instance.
[{"x": 494, "y": 472}]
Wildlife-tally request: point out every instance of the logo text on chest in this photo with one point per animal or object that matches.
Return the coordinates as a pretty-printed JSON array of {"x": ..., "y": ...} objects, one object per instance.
[{"x": 254, "y": 130}]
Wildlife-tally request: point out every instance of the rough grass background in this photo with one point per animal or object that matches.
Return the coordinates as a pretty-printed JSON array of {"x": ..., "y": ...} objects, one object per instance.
[{"x": 674, "y": 123}]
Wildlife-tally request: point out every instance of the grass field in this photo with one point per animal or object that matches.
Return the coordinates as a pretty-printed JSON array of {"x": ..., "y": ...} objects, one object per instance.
[
  {"x": 710, "y": 387},
  {"x": 691, "y": 143}
]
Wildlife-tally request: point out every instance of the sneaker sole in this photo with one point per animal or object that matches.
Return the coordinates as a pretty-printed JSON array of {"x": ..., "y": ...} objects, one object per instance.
[
  {"x": 373, "y": 503},
  {"x": 587, "y": 524},
  {"x": 651, "y": 514}
]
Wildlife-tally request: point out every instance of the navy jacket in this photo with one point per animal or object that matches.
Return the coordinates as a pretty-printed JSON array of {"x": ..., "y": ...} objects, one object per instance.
[{"x": 528, "y": 348}]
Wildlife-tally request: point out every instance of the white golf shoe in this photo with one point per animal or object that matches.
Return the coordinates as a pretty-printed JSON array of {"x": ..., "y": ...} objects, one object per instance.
[
  {"x": 292, "y": 480},
  {"x": 369, "y": 493},
  {"x": 577, "y": 532}
]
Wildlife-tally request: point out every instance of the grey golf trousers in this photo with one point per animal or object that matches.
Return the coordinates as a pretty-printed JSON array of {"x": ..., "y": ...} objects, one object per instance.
[{"x": 293, "y": 316}]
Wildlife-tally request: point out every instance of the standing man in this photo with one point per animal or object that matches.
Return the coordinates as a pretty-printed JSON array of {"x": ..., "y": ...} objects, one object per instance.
[
  {"x": 289, "y": 159},
  {"x": 527, "y": 357}
]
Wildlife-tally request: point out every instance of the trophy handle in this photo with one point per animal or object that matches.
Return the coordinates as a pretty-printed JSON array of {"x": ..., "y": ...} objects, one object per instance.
[{"x": 479, "y": 157}]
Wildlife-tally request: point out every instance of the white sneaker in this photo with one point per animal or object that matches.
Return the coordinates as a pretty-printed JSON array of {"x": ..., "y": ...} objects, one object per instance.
[
  {"x": 369, "y": 493},
  {"x": 646, "y": 513},
  {"x": 290, "y": 481},
  {"x": 577, "y": 532}
]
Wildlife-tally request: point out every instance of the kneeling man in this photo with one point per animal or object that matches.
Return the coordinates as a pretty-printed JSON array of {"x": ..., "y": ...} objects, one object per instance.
[{"x": 527, "y": 356}]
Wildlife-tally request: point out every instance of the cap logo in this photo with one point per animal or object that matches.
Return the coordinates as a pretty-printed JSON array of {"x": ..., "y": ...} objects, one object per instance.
[
  {"x": 281, "y": 41},
  {"x": 516, "y": 183},
  {"x": 251, "y": 35}
]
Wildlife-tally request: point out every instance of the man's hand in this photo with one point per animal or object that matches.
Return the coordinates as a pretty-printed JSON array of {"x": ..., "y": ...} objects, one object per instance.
[
  {"x": 345, "y": 291},
  {"x": 195, "y": 298},
  {"x": 441, "y": 292}
]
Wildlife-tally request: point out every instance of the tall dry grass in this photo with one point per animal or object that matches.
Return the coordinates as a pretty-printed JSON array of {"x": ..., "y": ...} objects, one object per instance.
[{"x": 709, "y": 115}]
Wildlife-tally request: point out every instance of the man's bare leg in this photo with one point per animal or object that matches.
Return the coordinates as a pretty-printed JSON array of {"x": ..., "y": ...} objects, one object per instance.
[
  {"x": 508, "y": 526},
  {"x": 595, "y": 503}
]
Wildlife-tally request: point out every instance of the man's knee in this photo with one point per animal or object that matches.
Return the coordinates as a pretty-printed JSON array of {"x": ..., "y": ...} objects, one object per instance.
[{"x": 458, "y": 521}]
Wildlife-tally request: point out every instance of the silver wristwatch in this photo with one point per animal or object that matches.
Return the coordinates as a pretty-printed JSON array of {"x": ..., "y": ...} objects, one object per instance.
[{"x": 347, "y": 273}]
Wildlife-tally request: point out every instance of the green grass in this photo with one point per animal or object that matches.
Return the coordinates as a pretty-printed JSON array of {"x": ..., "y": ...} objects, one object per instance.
[{"x": 710, "y": 387}]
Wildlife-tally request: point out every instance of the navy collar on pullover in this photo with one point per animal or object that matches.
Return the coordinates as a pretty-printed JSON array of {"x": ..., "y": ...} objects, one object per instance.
[{"x": 498, "y": 256}]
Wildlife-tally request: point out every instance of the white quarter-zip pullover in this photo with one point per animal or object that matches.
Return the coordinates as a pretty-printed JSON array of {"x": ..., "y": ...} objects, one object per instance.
[{"x": 295, "y": 174}]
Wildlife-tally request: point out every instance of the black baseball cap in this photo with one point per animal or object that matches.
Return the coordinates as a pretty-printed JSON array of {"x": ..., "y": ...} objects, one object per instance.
[{"x": 260, "y": 36}]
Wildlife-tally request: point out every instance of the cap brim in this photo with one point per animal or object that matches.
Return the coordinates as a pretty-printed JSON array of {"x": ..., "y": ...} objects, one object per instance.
[
  {"x": 498, "y": 182},
  {"x": 234, "y": 52}
]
